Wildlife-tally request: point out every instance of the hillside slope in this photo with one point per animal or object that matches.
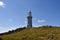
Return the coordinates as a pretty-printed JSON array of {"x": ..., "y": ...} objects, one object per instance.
[{"x": 42, "y": 33}]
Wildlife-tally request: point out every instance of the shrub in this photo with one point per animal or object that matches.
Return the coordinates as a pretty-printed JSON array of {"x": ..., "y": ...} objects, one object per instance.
[{"x": 0, "y": 38}]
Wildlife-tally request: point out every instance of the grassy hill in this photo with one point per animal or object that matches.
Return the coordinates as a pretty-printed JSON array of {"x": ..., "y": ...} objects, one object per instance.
[{"x": 41, "y": 33}]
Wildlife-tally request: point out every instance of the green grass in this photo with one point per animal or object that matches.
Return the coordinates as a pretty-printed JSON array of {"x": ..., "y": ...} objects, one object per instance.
[{"x": 42, "y": 33}]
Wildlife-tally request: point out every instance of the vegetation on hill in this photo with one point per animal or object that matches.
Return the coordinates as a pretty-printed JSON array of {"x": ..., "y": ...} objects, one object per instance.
[
  {"x": 12, "y": 31},
  {"x": 40, "y": 33}
]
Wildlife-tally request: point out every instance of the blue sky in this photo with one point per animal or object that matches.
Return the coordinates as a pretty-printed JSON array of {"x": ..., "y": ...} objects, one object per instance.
[{"x": 13, "y": 13}]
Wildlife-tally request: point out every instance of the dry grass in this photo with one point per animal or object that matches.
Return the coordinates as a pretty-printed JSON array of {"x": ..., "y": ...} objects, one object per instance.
[{"x": 43, "y": 33}]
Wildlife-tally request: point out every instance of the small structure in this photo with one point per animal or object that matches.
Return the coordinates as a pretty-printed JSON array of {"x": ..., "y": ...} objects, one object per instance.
[{"x": 29, "y": 20}]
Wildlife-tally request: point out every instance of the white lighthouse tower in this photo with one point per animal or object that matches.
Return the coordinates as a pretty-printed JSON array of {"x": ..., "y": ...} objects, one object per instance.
[{"x": 29, "y": 20}]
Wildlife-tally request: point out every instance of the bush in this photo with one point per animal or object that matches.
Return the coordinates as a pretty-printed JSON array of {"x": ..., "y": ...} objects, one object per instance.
[
  {"x": 0, "y": 38},
  {"x": 50, "y": 26}
]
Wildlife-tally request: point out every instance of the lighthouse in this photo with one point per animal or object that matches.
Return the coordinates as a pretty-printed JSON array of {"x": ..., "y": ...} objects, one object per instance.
[{"x": 29, "y": 20}]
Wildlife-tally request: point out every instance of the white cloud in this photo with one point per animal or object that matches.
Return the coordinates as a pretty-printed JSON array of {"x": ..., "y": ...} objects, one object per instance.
[
  {"x": 2, "y": 4},
  {"x": 34, "y": 19},
  {"x": 10, "y": 20},
  {"x": 1, "y": 27},
  {"x": 15, "y": 27},
  {"x": 41, "y": 20},
  {"x": 25, "y": 23}
]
